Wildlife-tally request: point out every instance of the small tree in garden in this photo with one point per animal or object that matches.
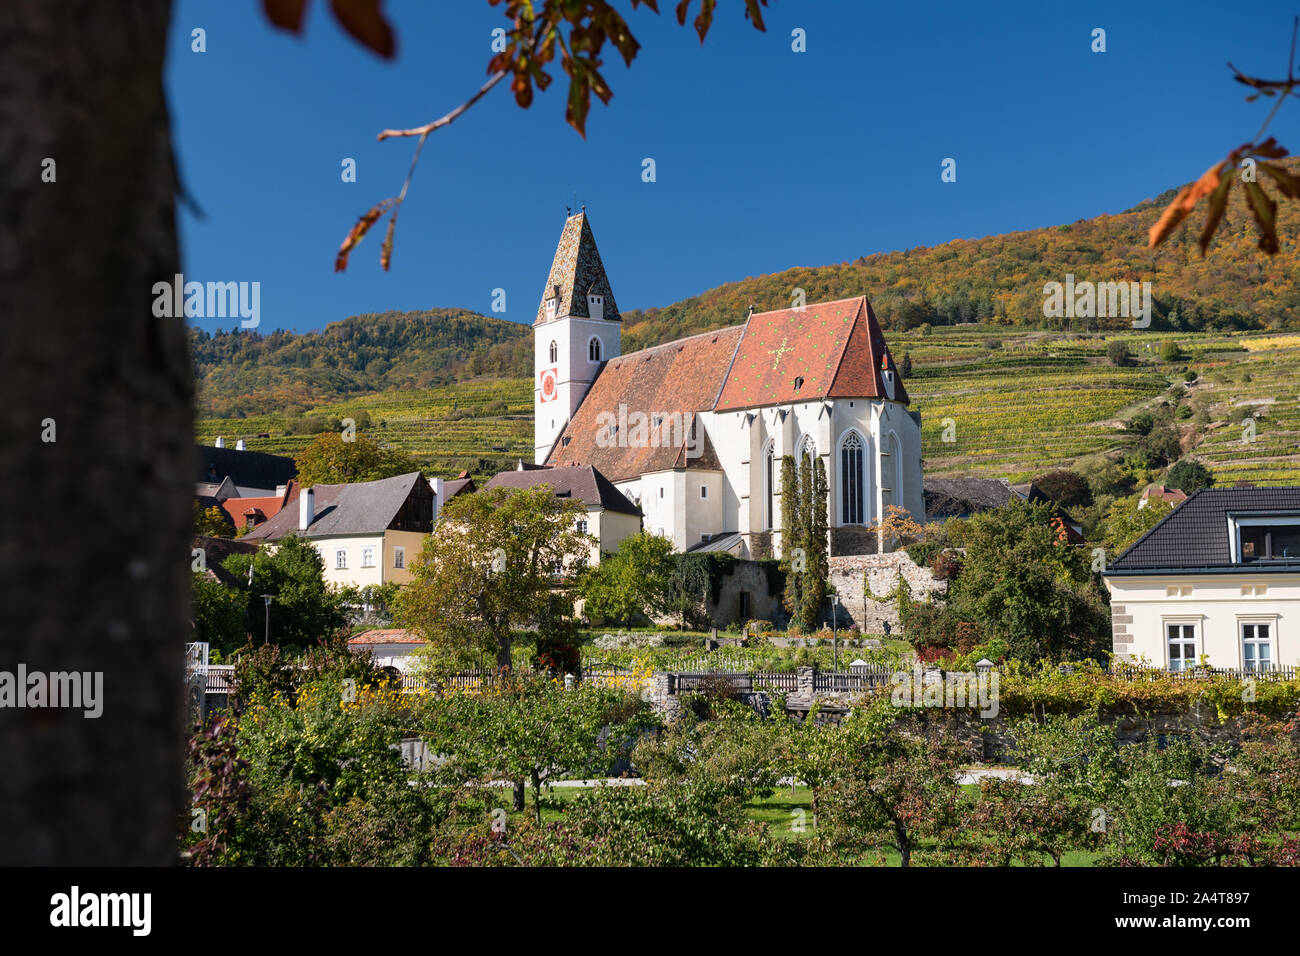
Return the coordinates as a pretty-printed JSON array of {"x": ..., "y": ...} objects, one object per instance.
[
  {"x": 488, "y": 569},
  {"x": 637, "y": 579},
  {"x": 1023, "y": 823},
  {"x": 530, "y": 727},
  {"x": 896, "y": 788}
]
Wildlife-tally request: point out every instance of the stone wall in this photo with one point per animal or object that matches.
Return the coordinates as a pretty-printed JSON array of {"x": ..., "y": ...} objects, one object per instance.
[{"x": 881, "y": 573}]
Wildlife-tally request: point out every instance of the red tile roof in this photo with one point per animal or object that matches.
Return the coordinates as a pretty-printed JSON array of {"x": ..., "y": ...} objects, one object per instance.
[
  {"x": 394, "y": 635},
  {"x": 238, "y": 507},
  {"x": 836, "y": 348},
  {"x": 679, "y": 378}
]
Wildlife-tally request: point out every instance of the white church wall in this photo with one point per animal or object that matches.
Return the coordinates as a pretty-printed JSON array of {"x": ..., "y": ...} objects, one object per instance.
[{"x": 702, "y": 492}]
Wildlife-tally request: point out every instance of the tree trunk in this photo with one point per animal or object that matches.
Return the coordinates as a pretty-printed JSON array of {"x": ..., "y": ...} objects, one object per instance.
[
  {"x": 519, "y": 796},
  {"x": 94, "y": 556},
  {"x": 537, "y": 798}
]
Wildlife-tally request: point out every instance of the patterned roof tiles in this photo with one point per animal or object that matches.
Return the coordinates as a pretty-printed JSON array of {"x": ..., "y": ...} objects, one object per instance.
[
  {"x": 827, "y": 350},
  {"x": 575, "y": 272}
]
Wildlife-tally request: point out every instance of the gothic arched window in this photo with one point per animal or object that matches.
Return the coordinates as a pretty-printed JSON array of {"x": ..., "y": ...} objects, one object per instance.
[
  {"x": 593, "y": 349},
  {"x": 769, "y": 486},
  {"x": 555, "y": 351},
  {"x": 851, "y": 479}
]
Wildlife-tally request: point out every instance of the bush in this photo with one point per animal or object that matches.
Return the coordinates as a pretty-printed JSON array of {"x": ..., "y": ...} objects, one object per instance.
[
  {"x": 1170, "y": 352},
  {"x": 1117, "y": 353}
]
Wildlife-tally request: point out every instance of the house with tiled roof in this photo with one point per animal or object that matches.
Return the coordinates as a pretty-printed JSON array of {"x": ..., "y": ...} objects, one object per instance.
[
  {"x": 693, "y": 431},
  {"x": 388, "y": 647},
  {"x": 367, "y": 532},
  {"x": 609, "y": 516},
  {"x": 1217, "y": 581}
]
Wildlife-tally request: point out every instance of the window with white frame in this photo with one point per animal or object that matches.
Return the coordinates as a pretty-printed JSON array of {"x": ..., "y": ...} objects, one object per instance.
[
  {"x": 593, "y": 349},
  {"x": 1256, "y": 646},
  {"x": 554, "y": 352},
  {"x": 367, "y": 557},
  {"x": 582, "y": 526},
  {"x": 399, "y": 557},
  {"x": 1264, "y": 537},
  {"x": 1180, "y": 645},
  {"x": 341, "y": 560}
]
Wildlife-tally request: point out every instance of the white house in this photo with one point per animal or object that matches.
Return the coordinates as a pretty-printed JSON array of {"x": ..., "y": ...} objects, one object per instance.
[
  {"x": 1217, "y": 581},
  {"x": 693, "y": 431}
]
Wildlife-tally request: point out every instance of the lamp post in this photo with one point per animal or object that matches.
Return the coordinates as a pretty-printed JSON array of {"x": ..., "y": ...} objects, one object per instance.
[
  {"x": 266, "y": 634},
  {"x": 835, "y": 629}
]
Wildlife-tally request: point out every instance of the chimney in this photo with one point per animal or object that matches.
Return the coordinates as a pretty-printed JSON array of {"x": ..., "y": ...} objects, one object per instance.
[
  {"x": 239, "y": 445},
  {"x": 306, "y": 508},
  {"x": 221, "y": 442}
]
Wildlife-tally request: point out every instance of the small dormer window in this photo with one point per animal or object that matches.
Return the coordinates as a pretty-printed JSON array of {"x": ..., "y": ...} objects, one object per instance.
[
  {"x": 595, "y": 306},
  {"x": 798, "y": 382},
  {"x": 551, "y": 305}
]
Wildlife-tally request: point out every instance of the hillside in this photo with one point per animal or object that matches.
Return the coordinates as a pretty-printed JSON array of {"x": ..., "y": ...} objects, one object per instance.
[
  {"x": 1020, "y": 403},
  {"x": 999, "y": 279},
  {"x": 243, "y": 373},
  {"x": 1023, "y": 394}
]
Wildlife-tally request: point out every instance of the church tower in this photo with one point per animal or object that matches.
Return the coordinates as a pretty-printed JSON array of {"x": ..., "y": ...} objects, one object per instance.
[{"x": 576, "y": 331}]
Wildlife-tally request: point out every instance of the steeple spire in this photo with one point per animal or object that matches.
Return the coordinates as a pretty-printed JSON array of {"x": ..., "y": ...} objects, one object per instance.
[{"x": 576, "y": 273}]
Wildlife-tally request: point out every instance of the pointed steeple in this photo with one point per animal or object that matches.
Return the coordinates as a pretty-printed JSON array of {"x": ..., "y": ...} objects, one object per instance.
[{"x": 577, "y": 277}]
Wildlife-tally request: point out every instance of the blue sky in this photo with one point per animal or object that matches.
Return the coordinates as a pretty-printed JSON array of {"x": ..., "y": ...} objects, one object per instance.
[{"x": 765, "y": 158}]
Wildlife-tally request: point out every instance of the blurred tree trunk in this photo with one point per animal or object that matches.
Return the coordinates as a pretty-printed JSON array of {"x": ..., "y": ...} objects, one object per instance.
[{"x": 94, "y": 554}]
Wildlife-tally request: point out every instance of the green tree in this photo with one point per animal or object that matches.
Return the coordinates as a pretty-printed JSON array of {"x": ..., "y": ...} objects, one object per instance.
[
  {"x": 895, "y": 788},
  {"x": 1020, "y": 583},
  {"x": 1171, "y": 352},
  {"x": 793, "y": 553},
  {"x": 304, "y": 609},
  {"x": 637, "y": 579},
  {"x": 818, "y": 573},
  {"x": 331, "y": 460},
  {"x": 1118, "y": 354},
  {"x": 1128, "y": 519},
  {"x": 531, "y": 727},
  {"x": 212, "y": 523},
  {"x": 1189, "y": 475},
  {"x": 488, "y": 569},
  {"x": 905, "y": 369},
  {"x": 220, "y": 614}
]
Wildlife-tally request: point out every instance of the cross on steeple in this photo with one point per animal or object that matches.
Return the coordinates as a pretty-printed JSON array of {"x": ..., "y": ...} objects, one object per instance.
[{"x": 780, "y": 351}]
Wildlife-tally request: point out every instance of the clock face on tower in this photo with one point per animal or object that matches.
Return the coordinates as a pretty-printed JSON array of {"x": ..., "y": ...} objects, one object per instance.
[{"x": 549, "y": 388}]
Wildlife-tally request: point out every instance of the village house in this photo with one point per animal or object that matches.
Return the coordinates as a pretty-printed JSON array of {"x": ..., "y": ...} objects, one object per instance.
[
  {"x": 366, "y": 532},
  {"x": 1216, "y": 582}
]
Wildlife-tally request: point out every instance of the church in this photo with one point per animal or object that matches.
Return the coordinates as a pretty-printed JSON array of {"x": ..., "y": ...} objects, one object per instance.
[{"x": 693, "y": 431}]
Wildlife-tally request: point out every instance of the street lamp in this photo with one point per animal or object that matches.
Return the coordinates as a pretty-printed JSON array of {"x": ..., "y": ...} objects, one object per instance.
[
  {"x": 266, "y": 634},
  {"x": 835, "y": 629}
]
